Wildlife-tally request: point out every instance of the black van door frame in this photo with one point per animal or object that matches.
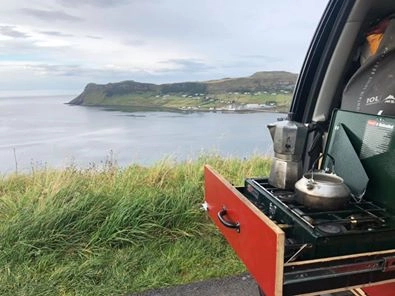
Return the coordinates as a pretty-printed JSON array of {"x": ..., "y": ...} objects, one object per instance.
[{"x": 317, "y": 59}]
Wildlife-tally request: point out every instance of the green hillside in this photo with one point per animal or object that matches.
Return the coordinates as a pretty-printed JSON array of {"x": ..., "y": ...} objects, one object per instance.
[{"x": 260, "y": 91}]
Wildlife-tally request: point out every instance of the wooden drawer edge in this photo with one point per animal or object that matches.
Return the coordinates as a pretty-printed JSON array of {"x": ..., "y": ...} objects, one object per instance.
[{"x": 328, "y": 259}]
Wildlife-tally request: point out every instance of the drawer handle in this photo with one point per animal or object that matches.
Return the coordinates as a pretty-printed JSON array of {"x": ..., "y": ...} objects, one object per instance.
[{"x": 228, "y": 224}]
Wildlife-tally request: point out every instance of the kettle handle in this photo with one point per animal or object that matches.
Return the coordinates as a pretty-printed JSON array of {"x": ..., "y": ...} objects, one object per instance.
[{"x": 317, "y": 159}]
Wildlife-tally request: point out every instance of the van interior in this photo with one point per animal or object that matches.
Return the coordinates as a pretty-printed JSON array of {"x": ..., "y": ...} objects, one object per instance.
[{"x": 345, "y": 58}]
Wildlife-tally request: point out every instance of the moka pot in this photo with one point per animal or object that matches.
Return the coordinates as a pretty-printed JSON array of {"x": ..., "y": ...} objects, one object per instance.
[{"x": 289, "y": 138}]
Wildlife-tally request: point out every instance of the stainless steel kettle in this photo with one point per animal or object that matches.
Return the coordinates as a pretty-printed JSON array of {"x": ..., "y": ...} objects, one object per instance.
[
  {"x": 320, "y": 190},
  {"x": 289, "y": 138}
]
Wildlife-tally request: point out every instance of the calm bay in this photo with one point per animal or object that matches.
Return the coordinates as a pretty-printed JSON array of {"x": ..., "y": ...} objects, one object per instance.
[{"x": 39, "y": 132}]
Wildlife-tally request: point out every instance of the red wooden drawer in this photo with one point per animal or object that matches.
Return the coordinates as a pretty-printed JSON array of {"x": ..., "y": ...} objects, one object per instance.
[{"x": 257, "y": 241}]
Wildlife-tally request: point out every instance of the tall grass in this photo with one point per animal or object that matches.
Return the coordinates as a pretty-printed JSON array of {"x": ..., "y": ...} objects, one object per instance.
[{"x": 111, "y": 231}]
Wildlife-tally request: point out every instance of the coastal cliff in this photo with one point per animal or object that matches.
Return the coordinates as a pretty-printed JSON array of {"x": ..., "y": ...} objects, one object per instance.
[{"x": 260, "y": 90}]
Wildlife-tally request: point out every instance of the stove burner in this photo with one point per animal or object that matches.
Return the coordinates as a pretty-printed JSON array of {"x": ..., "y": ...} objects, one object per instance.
[
  {"x": 331, "y": 228},
  {"x": 286, "y": 197}
]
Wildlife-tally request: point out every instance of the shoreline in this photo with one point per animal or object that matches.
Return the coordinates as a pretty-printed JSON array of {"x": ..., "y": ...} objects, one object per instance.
[{"x": 121, "y": 108}]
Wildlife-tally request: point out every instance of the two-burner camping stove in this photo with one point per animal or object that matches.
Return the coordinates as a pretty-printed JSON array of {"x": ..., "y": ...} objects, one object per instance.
[{"x": 359, "y": 227}]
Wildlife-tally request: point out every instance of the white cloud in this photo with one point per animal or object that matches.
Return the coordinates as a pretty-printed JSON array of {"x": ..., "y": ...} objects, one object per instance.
[
  {"x": 150, "y": 40},
  {"x": 50, "y": 15}
]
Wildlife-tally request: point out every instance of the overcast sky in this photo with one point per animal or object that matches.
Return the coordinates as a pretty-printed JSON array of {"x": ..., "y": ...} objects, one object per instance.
[{"x": 61, "y": 45}]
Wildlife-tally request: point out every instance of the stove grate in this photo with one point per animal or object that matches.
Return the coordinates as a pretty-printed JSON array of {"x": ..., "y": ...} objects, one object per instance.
[{"x": 363, "y": 215}]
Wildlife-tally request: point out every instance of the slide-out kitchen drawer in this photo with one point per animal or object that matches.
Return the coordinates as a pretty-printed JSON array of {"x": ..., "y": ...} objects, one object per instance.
[{"x": 259, "y": 243}]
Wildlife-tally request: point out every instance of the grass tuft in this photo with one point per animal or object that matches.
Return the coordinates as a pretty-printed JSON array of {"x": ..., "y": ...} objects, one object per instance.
[{"x": 115, "y": 230}]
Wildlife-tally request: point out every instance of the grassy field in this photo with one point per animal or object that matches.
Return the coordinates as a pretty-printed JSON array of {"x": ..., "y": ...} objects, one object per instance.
[
  {"x": 113, "y": 231},
  {"x": 282, "y": 101}
]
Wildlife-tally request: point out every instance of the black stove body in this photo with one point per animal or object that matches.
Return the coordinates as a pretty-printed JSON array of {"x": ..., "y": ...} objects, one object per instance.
[{"x": 361, "y": 226}]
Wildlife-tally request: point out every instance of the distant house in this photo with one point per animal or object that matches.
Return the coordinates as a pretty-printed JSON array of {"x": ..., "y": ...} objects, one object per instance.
[
  {"x": 267, "y": 106},
  {"x": 252, "y": 106}
]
